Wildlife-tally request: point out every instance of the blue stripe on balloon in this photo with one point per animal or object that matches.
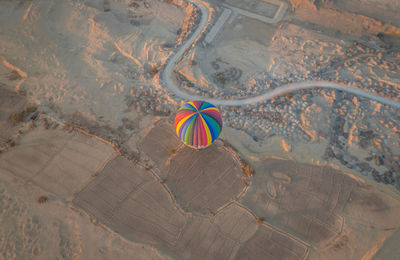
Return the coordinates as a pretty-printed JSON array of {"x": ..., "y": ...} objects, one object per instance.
[{"x": 212, "y": 125}]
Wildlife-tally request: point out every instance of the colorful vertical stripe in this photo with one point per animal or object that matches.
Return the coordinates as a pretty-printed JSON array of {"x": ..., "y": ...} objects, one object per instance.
[{"x": 198, "y": 124}]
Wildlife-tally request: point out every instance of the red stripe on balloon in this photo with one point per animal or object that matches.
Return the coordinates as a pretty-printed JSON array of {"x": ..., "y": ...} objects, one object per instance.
[
  {"x": 195, "y": 132},
  {"x": 198, "y": 131},
  {"x": 203, "y": 135},
  {"x": 197, "y": 104},
  {"x": 181, "y": 115},
  {"x": 214, "y": 114}
]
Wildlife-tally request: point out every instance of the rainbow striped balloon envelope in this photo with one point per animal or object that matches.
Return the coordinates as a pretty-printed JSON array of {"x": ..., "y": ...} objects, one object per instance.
[{"x": 198, "y": 124}]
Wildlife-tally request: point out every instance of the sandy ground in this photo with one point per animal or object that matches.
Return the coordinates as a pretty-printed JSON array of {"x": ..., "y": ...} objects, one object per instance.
[
  {"x": 95, "y": 57},
  {"x": 90, "y": 167},
  {"x": 300, "y": 48}
]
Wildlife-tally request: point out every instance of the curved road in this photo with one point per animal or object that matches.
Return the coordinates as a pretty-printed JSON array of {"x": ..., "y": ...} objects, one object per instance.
[{"x": 170, "y": 85}]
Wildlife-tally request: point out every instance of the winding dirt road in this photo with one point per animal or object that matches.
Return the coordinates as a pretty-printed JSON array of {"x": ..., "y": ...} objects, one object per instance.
[{"x": 167, "y": 77}]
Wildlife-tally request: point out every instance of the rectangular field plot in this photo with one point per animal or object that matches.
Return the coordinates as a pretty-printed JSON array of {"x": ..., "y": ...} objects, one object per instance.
[
  {"x": 56, "y": 160},
  {"x": 130, "y": 201},
  {"x": 263, "y": 8}
]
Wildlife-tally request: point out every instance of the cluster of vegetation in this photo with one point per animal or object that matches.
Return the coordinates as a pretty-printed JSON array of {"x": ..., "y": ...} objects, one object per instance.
[
  {"x": 220, "y": 77},
  {"x": 10, "y": 143},
  {"x": 106, "y": 6},
  {"x": 42, "y": 199},
  {"x": 288, "y": 95},
  {"x": 260, "y": 220},
  {"x": 18, "y": 117},
  {"x": 248, "y": 170},
  {"x": 14, "y": 75},
  {"x": 153, "y": 71},
  {"x": 184, "y": 79}
]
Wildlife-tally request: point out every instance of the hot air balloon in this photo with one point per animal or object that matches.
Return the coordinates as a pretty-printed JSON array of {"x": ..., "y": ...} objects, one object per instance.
[{"x": 198, "y": 124}]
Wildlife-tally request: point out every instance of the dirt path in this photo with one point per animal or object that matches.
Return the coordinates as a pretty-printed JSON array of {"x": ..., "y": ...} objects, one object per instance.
[{"x": 167, "y": 76}]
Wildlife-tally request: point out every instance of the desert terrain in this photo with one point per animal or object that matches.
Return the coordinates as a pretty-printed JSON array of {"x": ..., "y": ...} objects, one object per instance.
[{"x": 307, "y": 165}]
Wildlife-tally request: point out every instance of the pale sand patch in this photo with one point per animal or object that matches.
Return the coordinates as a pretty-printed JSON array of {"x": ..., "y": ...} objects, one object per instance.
[{"x": 56, "y": 160}]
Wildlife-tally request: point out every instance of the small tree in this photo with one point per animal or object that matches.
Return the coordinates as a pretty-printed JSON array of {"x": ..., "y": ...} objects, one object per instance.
[
  {"x": 288, "y": 95},
  {"x": 248, "y": 170},
  {"x": 259, "y": 220},
  {"x": 42, "y": 199},
  {"x": 153, "y": 71},
  {"x": 16, "y": 117}
]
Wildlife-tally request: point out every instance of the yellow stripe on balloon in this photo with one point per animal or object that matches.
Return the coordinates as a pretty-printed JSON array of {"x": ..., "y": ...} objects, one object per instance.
[
  {"x": 208, "y": 133},
  {"x": 210, "y": 108},
  {"x": 178, "y": 126}
]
